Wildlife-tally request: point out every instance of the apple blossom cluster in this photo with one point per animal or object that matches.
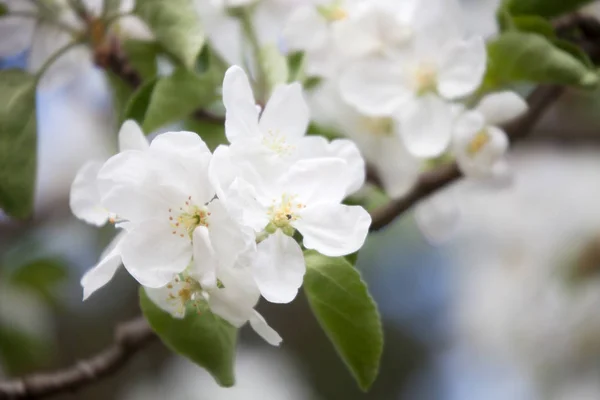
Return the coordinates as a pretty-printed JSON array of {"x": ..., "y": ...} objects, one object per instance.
[
  {"x": 221, "y": 228},
  {"x": 399, "y": 77}
]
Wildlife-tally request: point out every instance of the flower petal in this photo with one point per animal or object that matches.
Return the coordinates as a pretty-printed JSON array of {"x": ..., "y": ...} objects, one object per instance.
[
  {"x": 152, "y": 254},
  {"x": 286, "y": 113},
  {"x": 168, "y": 299},
  {"x": 103, "y": 272},
  {"x": 205, "y": 264},
  {"x": 131, "y": 137},
  {"x": 241, "y": 119},
  {"x": 236, "y": 300},
  {"x": 318, "y": 180},
  {"x": 279, "y": 268},
  {"x": 84, "y": 198},
  {"x": 333, "y": 229},
  {"x": 397, "y": 168},
  {"x": 261, "y": 327},
  {"x": 306, "y": 29},
  {"x": 376, "y": 87},
  {"x": 501, "y": 107},
  {"x": 426, "y": 126},
  {"x": 462, "y": 69}
]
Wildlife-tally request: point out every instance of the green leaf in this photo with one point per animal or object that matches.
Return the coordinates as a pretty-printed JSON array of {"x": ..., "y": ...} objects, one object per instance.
[
  {"x": 177, "y": 96},
  {"x": 21, "y": 351},
  {"x": 544, "y": 8},
  {"x": 296, "y": 66},
  {"x": 176, "y": 25},
  {"x": 275, "y": 66},
  {"x": 529, "y": 57},
  {"x": 42, "y": 276},
  {"x": 575, "y": 51},
  {"x": 533, "y": 24},
  {"x": 138, "y": 102},
  {"x": 142, "y": 56},
  {"x": 3, "y": 10},
  {"x": 204, "y": 338},
  {"x": 18, "y": 142},
  {"x": 347, "y": 313},
  {"x": 121, "y": 92},
  {"x": 212, "y": 133}
]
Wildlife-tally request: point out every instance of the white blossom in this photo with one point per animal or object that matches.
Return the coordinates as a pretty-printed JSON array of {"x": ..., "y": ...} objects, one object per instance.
[
  {"x": 479, "y": 144},
  {"x": 417, "y": 84}
]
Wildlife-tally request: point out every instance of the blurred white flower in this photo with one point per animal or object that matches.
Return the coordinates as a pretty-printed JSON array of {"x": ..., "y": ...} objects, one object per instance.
[{"x": 479, "y": 143}]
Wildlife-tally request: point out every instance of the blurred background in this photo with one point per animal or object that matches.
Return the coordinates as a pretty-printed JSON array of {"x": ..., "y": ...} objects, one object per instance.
[{"x": 508, "y": 308}]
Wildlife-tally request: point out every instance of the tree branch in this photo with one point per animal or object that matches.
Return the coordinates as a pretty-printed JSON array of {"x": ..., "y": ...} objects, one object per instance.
[
  {"x": 432, "y": 181},
  {"x": 130, "y": 337}
]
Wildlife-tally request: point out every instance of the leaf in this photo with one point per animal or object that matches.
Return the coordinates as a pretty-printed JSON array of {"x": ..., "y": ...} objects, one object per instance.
[
  {"x": 41, "y": 276},
  {"x": 18, "y": 142},
  {"x": 177, "y": 96},
  {"x": 346, "y": 312},
  {"x": 533, "y": 24},
  {"x": 3, "y": 10},
  {"x": 275, "y": 66},
  {"x": 138, "y": 102},
  {"x": 517, "y": 56},
  {"x": 296, "y": 66},
  {"x": 176, "y": 26},
  {"x": 121, "y": 92},
  {"x": 544, "y": 8},
  {"x": 142, "y": 56},
  {"x": 575, "y": 51},
  {"x": 212, "y": 133},
  {"x": 20, "y": 351},
  {"x": 203, "y": 337}
]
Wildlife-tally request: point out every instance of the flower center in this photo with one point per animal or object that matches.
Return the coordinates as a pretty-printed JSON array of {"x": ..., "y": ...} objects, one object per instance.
[
  {"x": 277, "y": 143},
  {"x": 425, "y": 79},
  {"x": 377, "y": 126},
  {"x": 333, "y": 12},
  {"x": 282, "y": 213},
  {"x": 187, "y": 218},
  {"x": 478, "y": 142}
]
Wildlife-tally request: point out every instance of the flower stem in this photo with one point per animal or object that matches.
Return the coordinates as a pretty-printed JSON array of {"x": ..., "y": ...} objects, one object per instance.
[
  {"x": 54, "y": 57},
  {"x": 261, "y": 89}
]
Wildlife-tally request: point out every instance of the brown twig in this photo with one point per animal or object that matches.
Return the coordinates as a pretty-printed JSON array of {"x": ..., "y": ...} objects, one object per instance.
[{"x": 130, "y": 337}]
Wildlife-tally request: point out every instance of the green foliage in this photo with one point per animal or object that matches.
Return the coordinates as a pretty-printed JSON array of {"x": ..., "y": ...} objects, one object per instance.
[
  {"x": 18, "y": 142},
  {"x": 121, "y": 92},
  {"x": 212, "y": 133},
  {"x": 142, "y": 54},
  {"x": 347, "y": 313},
  {"x": 41, "y": 276},
  {"x": 296, "y": 66},
  {"x": 533, "y": 24},
  {"x": 529, "y": 57},
  {"x": 176, "y": 26},
  {"x": 544, "y": 8},
  {"x": 204, "y": 338},
  {"x": 21, "y": 351},
  {"x": 275, "y": 66},
  {"x": 3, "y": 9},
  {"x": 171, "y": 99}
]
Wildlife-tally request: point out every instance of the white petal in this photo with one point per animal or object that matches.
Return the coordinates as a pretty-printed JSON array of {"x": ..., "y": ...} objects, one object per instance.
[
  {"x": 286, "y": 113},
  {"x": 85, "y": 198},
  {"x": 230, "y": 240},
  {"x": 131, "y": 137},
  {"x": 483, "y": 162},
  {"x": 318, "y": 180},
  {"x": 243, "y": 200},
  {"x": 426, "y": 126},
  {"x": 466, "y": 126},
  {"x": 279, "y": 268},
  {"x": 462, "y": 70},
  {"x": 397, "y": 168},
  {"x": 205, "y": 261},
  {"x": 438, "y": 217},
  {"x": 375, "y": 87},
  {"x": 501, "y": 107},
  {"x": 318, "y": 146},
  {"x": 334, "y": 229},
  {"x": 103, "y": 272},
  {"x": 305, "y": 29},
  {"x": 16, "y": 34},
  {"x": 359, "y": 35},
  {"x": 167, "y": 298},
  {"x": 261, "y": 327},
  {"x": 152, "y": 254},
  {"x": 241, "y": 119},
  {"x": 236, "y": 300}
]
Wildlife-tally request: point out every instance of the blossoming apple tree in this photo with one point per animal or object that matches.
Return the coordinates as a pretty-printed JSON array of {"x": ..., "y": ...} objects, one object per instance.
[{"x": 279, "y": 121}]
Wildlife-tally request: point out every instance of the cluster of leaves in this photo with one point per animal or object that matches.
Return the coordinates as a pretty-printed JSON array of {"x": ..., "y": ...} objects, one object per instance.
[{"x": 528, "y": 49}]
